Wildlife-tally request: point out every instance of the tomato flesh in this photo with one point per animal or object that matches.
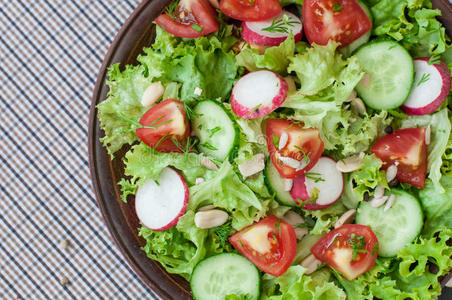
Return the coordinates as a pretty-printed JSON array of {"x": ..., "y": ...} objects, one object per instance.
[
  {"x": 269, "y": 244},
  {"x": 251, "y": 10},
  {"x": 336, "y": 250},
  {"x": 407, "y": 149},
  {"x": 170, "y": 126},
  {"x": 304, "y": 144},
  {"x": 343, "y": 21},
  {"x": 190, "y": 19}
]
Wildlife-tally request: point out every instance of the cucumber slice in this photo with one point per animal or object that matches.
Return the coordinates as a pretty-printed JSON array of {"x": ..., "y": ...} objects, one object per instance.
[
  {"x": 218, "y": 135},
  {"x": 396, "y": 227},
  {"x": 225, "y": 274},
  {"x": 275, "y": 184},
  {"x": 391, "y": 71},
  {"x": 348, "y": 50}
]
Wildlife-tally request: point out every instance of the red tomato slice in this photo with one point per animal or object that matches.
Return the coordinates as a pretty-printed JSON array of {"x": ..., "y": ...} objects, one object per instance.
[
  {"x": 341, "y": 20},
  {"x": 405, "y": 148},
  {"x": 171, "y": 126},
  {"x": 190, "y": 19},
  {"x": 303, "y": 144},
  {"x": 336, "y": 249},
  {"x": 251, "y": 10},
  {"x": 270, "y": 244}
]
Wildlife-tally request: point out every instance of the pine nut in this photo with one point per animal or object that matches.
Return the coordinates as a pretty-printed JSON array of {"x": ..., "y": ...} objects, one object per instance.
[
  {"x": 215, "y": 3},
  {"x": 300, "y": 232},
  {"x": 428, "y": 135},
  {"x": 391, "y": 173},
  {"x": 206, "y": 208},
  {"x": 152, "y": 94},
  {"x": 209, "y": 164},
  {"x": 346, "y": 218},
  {"x": 311, "y": 264},
  {"x": 379, "y": 191},
  {"x": 351, "y": 97},
  {"x": 293, "y": 218},
  {"x": 390, "y": 202},
  {"x": 377, "y": 202},
  {"x": 199, "y": 180},
  {"x": 210, "y": 219},
  {"x": 358, "y": 107},
  {"x": 350, "y": 164}
]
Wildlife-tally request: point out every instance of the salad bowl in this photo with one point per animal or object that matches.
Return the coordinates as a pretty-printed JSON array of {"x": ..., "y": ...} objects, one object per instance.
[{"x": 136, "y": 33}]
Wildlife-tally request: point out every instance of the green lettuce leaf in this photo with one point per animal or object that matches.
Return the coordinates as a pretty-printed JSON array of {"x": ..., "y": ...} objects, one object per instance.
[
  {"x": 143, "y": 163},
  {"x": 437, "y": 207},
  {"x": 440, "y": 131},
  {"x": 411, "y": 22},
  {"x": 295, "y": 285},
  {"x": 369, "y": 176},
  {"x": 192, "y": 62},
  {"x": 122, "y": 109},
  {"x": 325, "y": 218},
  {"x": 226, "y": 190},
  {"x": 316, "y": 68},
  {"x": 275, "y": 58}
]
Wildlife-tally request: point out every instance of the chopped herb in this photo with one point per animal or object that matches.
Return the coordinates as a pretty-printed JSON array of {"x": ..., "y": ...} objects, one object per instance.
[
  {"x": 252, "y": 2},
  {"x": 292, "y": 124},
  {"x": 276, "y": 141},
  {"x": 200, "y": 126},
  {"x": 337, "y": 7},
  {"x": 357, "y": 243},
  {"x": 425, "y": 78},
  {"x": 375, "y": 248},
  {"x": 190, "y": 113},
  {"x": 187, "y": 147},
  {"x": 169, "y": 10},
  {"x": 277, "y": 226},
  {"x": 223, "y": 232},
  {"x": 281, "y": 25},
  {"x": 314, "y": 176},
  {"x": 254, "y": 109},
  {"x": 214, "y": 130},
  {"x": 434, "y": 60},
  {"x": 208, "y": 146},
  {"x": 196, "y": 27},
  {"x": 135, "y": 124},
  {"x": 240, "y": 241}
]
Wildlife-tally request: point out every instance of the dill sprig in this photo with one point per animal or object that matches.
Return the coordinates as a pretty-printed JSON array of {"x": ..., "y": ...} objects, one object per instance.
[
  {"x": 425, "y": 77},
  {"x": 223, "y": 232},
  {"x": 314, "y": 176},
  {"x": 281, "y": 25},
  {"x": 136, "y": 125}
]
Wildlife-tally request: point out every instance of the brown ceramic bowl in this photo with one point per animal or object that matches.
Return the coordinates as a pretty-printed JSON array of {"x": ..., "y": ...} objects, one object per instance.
[{"x": 136, "y": 33}]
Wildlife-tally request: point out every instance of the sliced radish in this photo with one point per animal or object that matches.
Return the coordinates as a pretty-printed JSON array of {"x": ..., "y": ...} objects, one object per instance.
[
  {"x": 255, "y": 33},
  {"x": 324, "y": 177},
  {"x": 160, "y": 205},
  {"x": 430, "y": 89},
  {"x": 257, "y": 94}
]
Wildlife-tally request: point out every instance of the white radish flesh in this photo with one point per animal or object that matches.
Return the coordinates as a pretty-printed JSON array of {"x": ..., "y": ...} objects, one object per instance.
[
  {"x": 257, "y": 94},
  {"x": 430, "y": 89},
  {"x": 254, "y": 33},
  {"x": 323, "y": 177},
  {"x": 159, "y": 206}
]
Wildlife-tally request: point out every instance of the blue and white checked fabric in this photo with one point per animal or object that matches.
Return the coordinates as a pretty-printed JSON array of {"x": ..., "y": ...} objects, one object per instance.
[{"x": 50, "y": 53}]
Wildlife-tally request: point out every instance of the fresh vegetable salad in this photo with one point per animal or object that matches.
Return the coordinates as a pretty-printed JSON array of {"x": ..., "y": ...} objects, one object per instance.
[{"x": 289, "y": 150}]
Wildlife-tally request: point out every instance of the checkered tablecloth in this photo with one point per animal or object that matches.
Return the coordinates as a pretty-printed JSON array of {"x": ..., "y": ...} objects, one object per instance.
[{"x": 53, "y": 242}]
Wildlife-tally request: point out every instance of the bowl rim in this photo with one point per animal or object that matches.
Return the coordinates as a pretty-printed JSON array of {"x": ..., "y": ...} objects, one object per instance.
[{"x": 93, "y": 142}]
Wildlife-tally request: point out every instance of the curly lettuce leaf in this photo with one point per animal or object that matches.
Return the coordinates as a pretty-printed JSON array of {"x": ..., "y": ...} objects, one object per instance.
[
  {"x": 440, "y": 131},
  {"x": 437, "y": 207},
  {"x": 316, "y": 67},
  {"x": 143, "y": 163},
  {"x": 191, "y": 63},
  {"x": 122, "y": 108},
  {"x": 274, "y": 58},
  {"x": 411, "y": 22},
  {"x": 295, "y": 285},
  {"x": 369, "y": 176},
  {"x": 325, "y": 218},
  {"x": 226, "y": 190}
]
